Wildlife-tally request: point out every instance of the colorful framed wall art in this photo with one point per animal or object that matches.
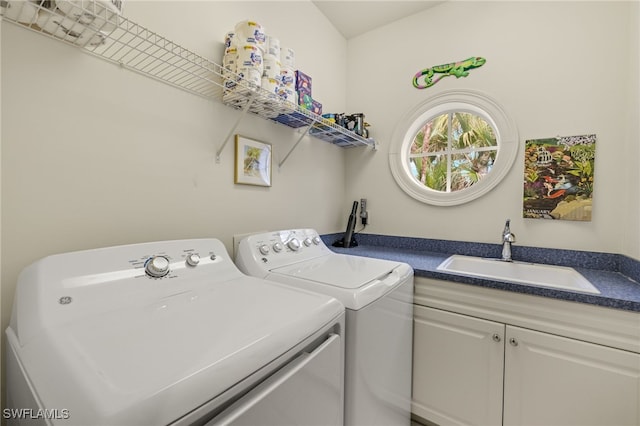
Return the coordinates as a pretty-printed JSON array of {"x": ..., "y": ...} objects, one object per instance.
[{"x": 558, "y": 178}]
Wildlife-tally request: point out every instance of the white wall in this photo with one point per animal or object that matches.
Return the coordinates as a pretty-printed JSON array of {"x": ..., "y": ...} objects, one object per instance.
[
  {"x": 632, "y": 233},
  {"x": 558, "y": 68},
  {"x": 94, "y": 155}
]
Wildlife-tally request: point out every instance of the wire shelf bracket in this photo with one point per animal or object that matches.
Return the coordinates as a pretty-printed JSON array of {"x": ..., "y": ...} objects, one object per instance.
[
  {"x": 245, "y": 109},
  {"x": 305, "y": 133}
]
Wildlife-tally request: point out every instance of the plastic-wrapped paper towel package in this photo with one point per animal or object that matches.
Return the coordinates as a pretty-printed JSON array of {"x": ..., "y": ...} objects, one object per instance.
[
  {"x": 21, "y": 11},
  {"x": 258, "y": 60},
  {"x": 243, "y": 61},
  {"x": 98, "y": 14},
  {"x": 82, "y": 22}
]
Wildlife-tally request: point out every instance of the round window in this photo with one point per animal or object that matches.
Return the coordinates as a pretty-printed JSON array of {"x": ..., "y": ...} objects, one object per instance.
[{"x": 453, "y": 148}]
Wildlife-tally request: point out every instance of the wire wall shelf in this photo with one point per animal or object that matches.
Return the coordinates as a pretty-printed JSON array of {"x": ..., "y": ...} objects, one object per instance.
[{"x": 109, "y": 36}]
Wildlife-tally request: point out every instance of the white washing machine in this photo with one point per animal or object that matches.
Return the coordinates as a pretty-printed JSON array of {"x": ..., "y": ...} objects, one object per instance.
[
  {"x": 378, "y": 296},
  {"x": 169, "y": 333}
]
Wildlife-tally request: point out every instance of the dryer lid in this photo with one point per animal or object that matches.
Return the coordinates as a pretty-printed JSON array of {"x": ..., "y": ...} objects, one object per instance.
[{"x": 154, "y": 361}]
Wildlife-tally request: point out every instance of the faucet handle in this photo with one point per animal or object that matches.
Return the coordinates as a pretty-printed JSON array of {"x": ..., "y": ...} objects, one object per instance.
[{"x": 507, "y": 229}]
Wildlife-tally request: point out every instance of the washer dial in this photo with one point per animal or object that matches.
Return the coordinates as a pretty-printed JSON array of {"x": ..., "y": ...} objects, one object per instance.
[
  {"x": 193, "y": 259},
  {"x": 157, "y": 266},
  {"x": 294, "y": 244}
]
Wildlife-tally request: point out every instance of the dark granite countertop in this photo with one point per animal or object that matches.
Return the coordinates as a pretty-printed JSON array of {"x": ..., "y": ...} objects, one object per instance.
[{"x": 617, "y": 277}]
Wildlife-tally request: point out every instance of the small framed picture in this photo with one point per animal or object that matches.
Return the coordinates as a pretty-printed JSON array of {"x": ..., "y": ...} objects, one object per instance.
[{"x": 253, "y": 162}]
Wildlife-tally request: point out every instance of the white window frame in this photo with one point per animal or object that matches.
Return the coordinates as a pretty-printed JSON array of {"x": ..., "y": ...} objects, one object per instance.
[{"x": 455, "y": 100}]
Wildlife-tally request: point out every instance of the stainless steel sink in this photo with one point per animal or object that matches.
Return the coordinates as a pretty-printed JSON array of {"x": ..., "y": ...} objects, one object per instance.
[{"x": 534, "y": 274}]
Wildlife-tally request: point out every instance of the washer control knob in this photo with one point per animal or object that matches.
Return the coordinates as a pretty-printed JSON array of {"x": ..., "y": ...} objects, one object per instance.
[
  {"x": 264, "y": 249},
  {"x": 294, "y": 244},
  {"x": 278, "y": 247},
  {"x": 193, "y": 259},
  {"x": 307, "y": 242},
  {"x": 316, "y": 240},
  {"x": 157, "y": 266}
]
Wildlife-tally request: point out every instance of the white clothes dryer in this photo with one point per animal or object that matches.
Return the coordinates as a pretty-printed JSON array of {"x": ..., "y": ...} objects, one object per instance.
[
  {"x": 378, "y": 296},
  {"x": 169, "y": 333}
]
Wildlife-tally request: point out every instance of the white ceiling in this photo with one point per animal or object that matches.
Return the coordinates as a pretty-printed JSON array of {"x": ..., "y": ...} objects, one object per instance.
[{"x": 353, "y": 18}]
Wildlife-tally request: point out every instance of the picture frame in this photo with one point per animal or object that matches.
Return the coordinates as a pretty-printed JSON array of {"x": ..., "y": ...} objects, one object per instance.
[
  {"x": 559, "y": 177},
  {"x": 252, "y": 162}
]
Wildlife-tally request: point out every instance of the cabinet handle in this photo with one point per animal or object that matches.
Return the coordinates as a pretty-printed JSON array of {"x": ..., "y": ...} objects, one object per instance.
[
  {"x": 496, "y": 337},
  {"x": 513, "y": 341}
]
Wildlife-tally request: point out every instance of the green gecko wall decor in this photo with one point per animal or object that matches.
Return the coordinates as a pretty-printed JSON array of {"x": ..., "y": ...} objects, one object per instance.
[{"x": 459, "y": 69}]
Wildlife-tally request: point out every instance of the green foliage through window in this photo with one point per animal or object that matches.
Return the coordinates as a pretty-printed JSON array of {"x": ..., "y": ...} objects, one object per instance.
[{"x": 453, "y": 151}]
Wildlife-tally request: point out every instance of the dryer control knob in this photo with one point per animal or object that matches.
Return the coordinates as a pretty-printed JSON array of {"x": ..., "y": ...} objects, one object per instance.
[
  {"x": 157, "y": 266},
  {"x": 316, "y": 240},
  {"x": 264, "y": 249},
  {"x": 193, "y": 259},
  {"x": 294, "y": 244},
  {"x": 278, "y": 247},
  {"x": 307, "y": 242}
]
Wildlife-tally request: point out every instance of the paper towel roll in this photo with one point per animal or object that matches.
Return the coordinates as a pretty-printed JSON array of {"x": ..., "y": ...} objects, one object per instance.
[
  {"x": 271, "y": 66},
  {"x": 229, "y": 68},
  {"x": 288, "y": 94},
  {"x": 250, "y": 56},
  {"x": 230, "y": 58},
  {"x": 250, "y": 32},
  {"x": 288, "y": 57},
  {"x": 230, "y": 39},
  {"x": 249, "y": 78},
  {"x": 270, "y": 85},
  {"x": 69, "y": 30},
  {"x": 273, "y": 46},
  {"x": 98, "y": 14},
  {"x": 22, "y": 11},
  {"x": 229, "y": 80},
  {"x": 288, "y": 77}
]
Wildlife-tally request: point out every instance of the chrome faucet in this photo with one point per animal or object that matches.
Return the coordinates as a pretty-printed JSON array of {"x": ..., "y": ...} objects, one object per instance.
[{"x": 507, "y": 239}]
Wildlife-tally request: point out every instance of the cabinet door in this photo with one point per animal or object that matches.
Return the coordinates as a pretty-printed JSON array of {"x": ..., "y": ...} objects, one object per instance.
[
  {"x": 552, "y": 380},
  {"x": 457, "y": 368}
]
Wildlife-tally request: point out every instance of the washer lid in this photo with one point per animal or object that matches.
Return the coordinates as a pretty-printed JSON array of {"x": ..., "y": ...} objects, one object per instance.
[
  {"x": 152, "y": 362},
  {"x": 355, "y": 281},
  {"x": 338, "y": 270}
]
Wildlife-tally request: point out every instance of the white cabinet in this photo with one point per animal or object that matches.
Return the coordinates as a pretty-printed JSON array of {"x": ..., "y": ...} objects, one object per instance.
[
  {"x": 553, "y": 380},
  {"x": 496, "y": 369},
  {"x": 457, "y": 368}
]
